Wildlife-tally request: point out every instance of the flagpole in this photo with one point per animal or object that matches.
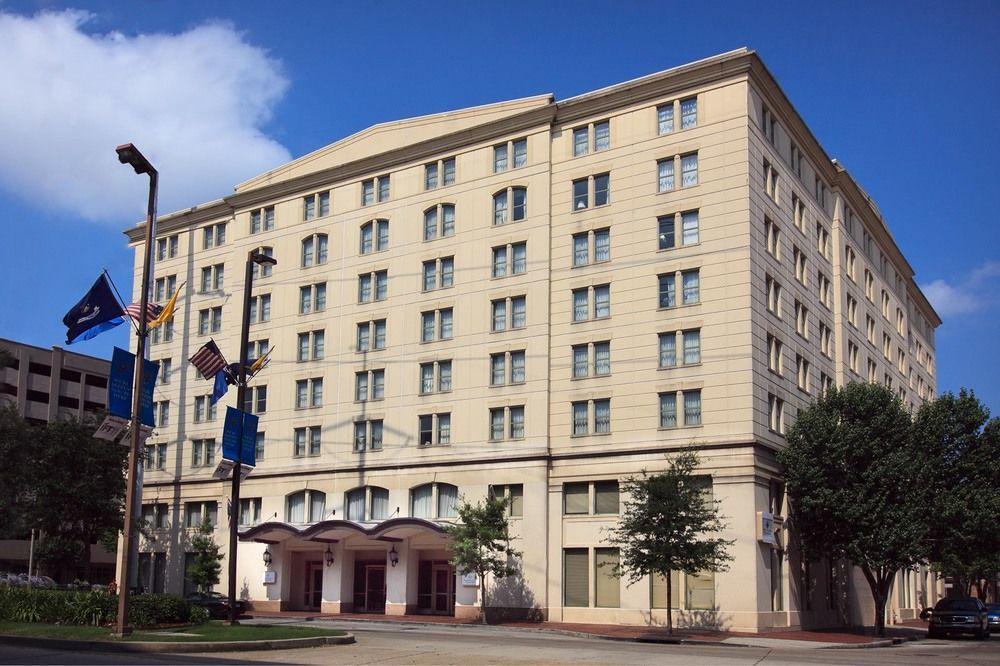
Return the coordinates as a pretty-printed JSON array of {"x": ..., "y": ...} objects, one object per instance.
[{"x": 129, "y": 154}]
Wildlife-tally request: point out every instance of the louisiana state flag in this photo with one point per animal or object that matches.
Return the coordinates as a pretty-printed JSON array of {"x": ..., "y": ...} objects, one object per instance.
[{"x": 96, "y": 312}]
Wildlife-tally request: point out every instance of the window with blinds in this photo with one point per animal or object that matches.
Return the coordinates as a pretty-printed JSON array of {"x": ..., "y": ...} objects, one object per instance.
[
  {"x": 576, "y": 498},
  {"x": 606, "y": 497},
  {"x": 658, "y": 590},
  {"x": 700, "y": 591},
  {"x": 606, "y": 586},
  {"x": 576, "y": 585}
]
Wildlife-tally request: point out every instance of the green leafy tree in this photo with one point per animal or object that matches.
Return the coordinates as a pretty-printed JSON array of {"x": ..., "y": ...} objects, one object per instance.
[
  {"x": 851, "y": 474},
  {"x": 206, "y": 567},
  {"x": 55, "y": 553},
  {"x": 668, "y": 524},
  {"x": 480, "y": 542},
  {"x": 17, "y": 440},
  {"x": 960, "y": 477}
]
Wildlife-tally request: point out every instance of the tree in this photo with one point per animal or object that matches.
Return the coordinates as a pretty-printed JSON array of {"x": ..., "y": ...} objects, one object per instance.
[
  {"x": 667, "y": 525},
  {"x": 960, "y": 477},
  {"x": 16, "y": 444},
  {"x": 204, "y": 571},
  {"x": 480, "y": 542},
  {"x": 55, "y": 554},
  {"x": 851, "y": 475}
]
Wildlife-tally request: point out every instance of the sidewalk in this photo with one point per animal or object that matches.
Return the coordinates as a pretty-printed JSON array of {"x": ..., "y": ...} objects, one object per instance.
[{"x": 832, "y": 638}]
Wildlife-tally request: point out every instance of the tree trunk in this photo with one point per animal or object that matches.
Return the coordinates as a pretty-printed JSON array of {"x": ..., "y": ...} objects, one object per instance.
[
  {"x": 86, "y": 560},
  {"x": 482, "y": 587},
  {"x": 880, "y": 594},
  {"x": 670, "y": 611}
]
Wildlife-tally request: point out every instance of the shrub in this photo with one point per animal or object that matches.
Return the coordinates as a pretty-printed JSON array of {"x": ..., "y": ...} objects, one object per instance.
[
  {"x": 147, "y": 610},
  {"x": 90, "y": 608},
  {"x": 199, "y": 615}
]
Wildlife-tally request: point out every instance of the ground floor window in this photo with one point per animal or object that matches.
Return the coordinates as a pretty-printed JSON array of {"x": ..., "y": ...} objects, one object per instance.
[
  {"x": 579, "y": 569},
  {"x": 696, "y": 590}
]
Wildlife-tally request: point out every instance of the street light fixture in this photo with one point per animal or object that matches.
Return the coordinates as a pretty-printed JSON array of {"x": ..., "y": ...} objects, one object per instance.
[
  {"x": 254, "y": 257},
  {"x": 129, "y": 154}
]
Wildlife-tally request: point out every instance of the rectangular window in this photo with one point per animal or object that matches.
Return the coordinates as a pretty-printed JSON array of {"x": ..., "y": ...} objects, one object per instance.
[
  {"x": 776, "y": 414},
  {"x": 581, "y": 141},
  {"x": 692, "y": 408},
  {"x": 665, "y": 118},
  {"x": 668, "y": 350},
  {"x": 576, "y": 577},
  {"x": 668, "y": 410},
  {"x": 576, "y": 498},
  {"x": 602, "y": 135},
  {"x": 602, "y": 189},
  {"x": 665, "y": 174},
  {"x": 667, "y": 291},
  {"x": 692, "y": 290},
  {"x": 689, "y": 170},
  {"x": 692, "y": 346},
  {"x": 607, "y": 586},
  {"x": 689, "y": 112}
]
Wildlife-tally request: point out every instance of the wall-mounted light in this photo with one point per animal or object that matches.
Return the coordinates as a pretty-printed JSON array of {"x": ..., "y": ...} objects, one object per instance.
[
  {"x": 267, "y": 556},
  {"x": 393, "y": 556},
  {"x": 328, "y": 556}
]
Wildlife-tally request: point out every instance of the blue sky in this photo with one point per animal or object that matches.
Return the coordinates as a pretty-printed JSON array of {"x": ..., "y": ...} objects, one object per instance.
[{"x": 904, "y": 94}]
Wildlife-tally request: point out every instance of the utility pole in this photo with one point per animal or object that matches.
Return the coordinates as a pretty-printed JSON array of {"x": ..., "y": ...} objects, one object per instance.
[
  {"x": 253, "y": 257},
  {"x": 129, "y": 154}
]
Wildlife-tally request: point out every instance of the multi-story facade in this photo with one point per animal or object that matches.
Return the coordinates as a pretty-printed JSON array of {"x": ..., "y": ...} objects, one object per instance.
[
  {"x": 536, "y": 298},
  {"x": 46, "y": 385}
]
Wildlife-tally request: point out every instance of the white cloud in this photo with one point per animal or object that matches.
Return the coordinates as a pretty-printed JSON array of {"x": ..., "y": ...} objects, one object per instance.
[
  {"x": 970, "y": 293},
  {"x": 192, "y": 102}
]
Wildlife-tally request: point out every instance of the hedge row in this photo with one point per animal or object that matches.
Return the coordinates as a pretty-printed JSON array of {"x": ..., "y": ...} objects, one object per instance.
[{"x": 94, "y": 608}]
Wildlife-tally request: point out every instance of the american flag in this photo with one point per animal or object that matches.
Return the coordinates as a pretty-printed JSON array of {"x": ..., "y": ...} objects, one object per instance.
[
  {"x": 208, "y": 360},
  {"x": 152, "y": 311}
]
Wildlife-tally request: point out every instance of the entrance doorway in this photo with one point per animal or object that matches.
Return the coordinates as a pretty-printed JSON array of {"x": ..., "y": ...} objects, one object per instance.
[
  {"x": 369, "y": 587},
  {"x": 436, "y": 588},
  {"x": 313, "y": 597}
]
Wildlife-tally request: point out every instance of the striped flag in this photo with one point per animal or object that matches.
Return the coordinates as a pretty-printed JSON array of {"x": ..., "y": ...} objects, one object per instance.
[
  {"x": 152, "y": 311},
  {"x": 208, "y": 360}
]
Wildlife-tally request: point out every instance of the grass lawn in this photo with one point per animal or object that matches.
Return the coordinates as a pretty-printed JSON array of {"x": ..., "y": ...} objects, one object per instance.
[{"x": 213, "y": 631}]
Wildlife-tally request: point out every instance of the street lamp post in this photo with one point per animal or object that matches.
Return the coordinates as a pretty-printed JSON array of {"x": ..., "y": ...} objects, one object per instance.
[
  {"x": 129, "y": 154},
  {"x": 254, "y": 257}
]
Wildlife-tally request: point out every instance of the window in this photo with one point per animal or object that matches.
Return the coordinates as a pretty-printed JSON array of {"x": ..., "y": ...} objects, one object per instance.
[
  {"x": 577, "y": 498},
  {"x": 436, "y": 325},
  {"x": 886, "y": 346},
  {"x": 371, "y": 335},
  {"x": 250, "y": 510},
  {"x": 591, "y": 416},
  {"x": 161, "y": 414},
  {"x": 852, "y": 311},
  {"x": 202, "y": 452},
  {"x": 435, "y": 429},
  {"x": 366, "y": 504},
  {"x": 870, "y": 329},
  {"x": 900, "y": 322},
  {"x": 262, "y": 219},
  {"x": 852, "y": 356},
  {"x": 775, "y": 350},
  {"x": 164, "y": 286},
  {"x": 690, "y": 288},
  {"x": 164, "y": 374},
  {"x": 439, "y": 221},
  {"x": 155, "y": 515},
  {"x": 819, "y": 191},
  {"x": 576, "y": 577},
  {"x": 501, "y": 153},
  {"x": 823, "y": 240},
  {"x": 825, "y": 382},
  {"x": 312, "y": 298},
  {"x": 690, "y": 345},
  {"x": 600, "y": 239},
  {"x": 801, "y": 320},
  {"x": 260, "y": 308},
  {"x": 513, "y": 493},
  {"x": 506, "y": 423},
  {"x": 204, "y": 409},
  {"x": 601, "y": 135},
  {"x": 772, "y": 234},
  {"x": 446, "y": 169},
  {"x": 593, "y": 191},
  {"x": 213, "y": 235},
  {"x": 689, "y": 112},
  {"x": 667, "y": 225},
  {"x": 776, "y": 414},
  {"x": 802, "y": 373},
  {"x": 825, "y": 289},
  {"x": 166, "y": 248},
  {"x": 601, "y": 299},
  {"x": 773, "y": 290},
  {"x": 210, "y": 320},
  {"x": 263, "y": 270},
  {"x": 434, "y": 501},
  {"x": 369, "y": 188},
  {"x": 516, "y": 306},
  {"x": 665, "y": 118},
  {"x": 592, "y": 359},
  {"x": 690, "y": 399},
  {"x": 665, "y": 174},
  {"x": 510, "y": 259},
  {"x": 315, "y": 205},
  {"x": 369, "y": 385},
  {"x": 885, "y": 305},
  {"x": 156, "y": 456},
  {"x": 607, "y": 586},
  {"x": 164, "y": 333},
  {"x": 259, "y": 447},
  {"x": 825, "y": 340},
  {"x": 368, "y": 435},
  {"x": 257, "y": 349},
  {"x": 872, "y": 371},
  {"x": 305, "y": 506},
  {"x": 689, "y": 170},
  {"x": 439, "y": 273},
  {"x": 374, "y": 236},
  {"x": 373, "y": 286},
  {"x": 314, "y": 250},
  {"x": 799, "y": 259},
  {"x": 311, "y": 345},
  {"x": 306, "y": 441},
  {"x": 197, "y": 513},
  {"x": 435, "y": 377},
  {"x": 507, "y": 368},
  {"x": 309, "y": 393},
  {"x": 850, "y": 261},
  {"x": 771, "y": 182},
  {"x": 510, "y": 205},
  {"x": 798, "y": 213}
]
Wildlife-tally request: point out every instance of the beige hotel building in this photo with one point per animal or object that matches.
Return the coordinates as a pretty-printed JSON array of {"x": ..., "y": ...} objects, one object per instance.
[{"x": 534, "y": 298}]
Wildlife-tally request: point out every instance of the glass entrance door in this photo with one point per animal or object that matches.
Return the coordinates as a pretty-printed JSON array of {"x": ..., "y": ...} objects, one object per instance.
[
  {"x": 444, "y": 589},
  {"x": 375, "y": 588},
  {"x": 314, "y": 586}
]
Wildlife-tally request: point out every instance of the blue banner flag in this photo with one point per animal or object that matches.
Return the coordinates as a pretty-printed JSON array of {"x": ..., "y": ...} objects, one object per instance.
[
  {"x": 96, "y": 312},
  {"x": 120, "y": 386},
  {"x": 239, "y": 437},
  {"x": 223, "y": 380},
  {"x": 249, "y": 439}
]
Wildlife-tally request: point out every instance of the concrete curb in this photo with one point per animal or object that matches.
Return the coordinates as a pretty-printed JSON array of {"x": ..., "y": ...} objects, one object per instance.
[{"x": 177, "y": 646}]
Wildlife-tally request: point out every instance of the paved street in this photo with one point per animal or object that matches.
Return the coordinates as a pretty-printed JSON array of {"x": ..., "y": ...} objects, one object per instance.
[{"x": 431, "y": 645}]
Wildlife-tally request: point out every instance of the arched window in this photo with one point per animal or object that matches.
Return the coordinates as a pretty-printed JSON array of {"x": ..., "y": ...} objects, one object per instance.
[
  {"x": 510, "y": 205},
  {"x": 374, "y": 236},
  {"x": 439, "y": 221},
  {"x": 314, "y": 250},
  {"x": 305, "y": 506},
  {"x": 264, "y": 270},
  {"x": 434, "y": 500},
  {"x": 367, "y": 503}
]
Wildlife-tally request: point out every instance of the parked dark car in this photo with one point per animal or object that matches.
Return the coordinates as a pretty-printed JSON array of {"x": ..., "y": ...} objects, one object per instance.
[
  {"x": 993, "y": 611},
  {"x": 216, "y": 604},
  {"x": 959, "y": 616}
]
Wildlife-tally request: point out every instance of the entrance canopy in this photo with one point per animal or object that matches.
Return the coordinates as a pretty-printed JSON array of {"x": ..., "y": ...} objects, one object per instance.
[{"x": 330, "y": 531}]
